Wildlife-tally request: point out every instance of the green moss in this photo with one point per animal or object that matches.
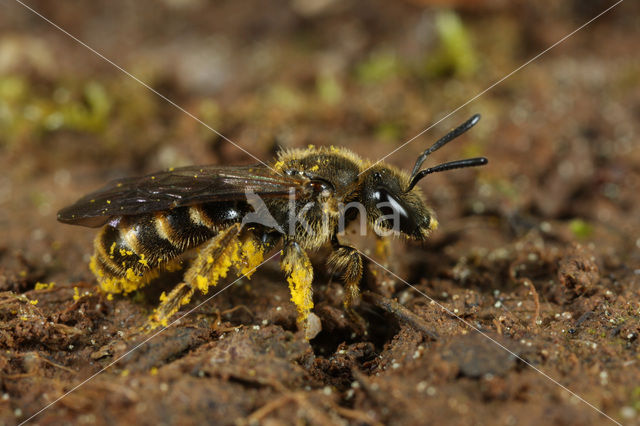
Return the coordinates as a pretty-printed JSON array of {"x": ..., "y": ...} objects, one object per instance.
[
  {"x": 285, "y": 97},
  {"x": 378, "y": 68},
  {"x": 111, "y": 111},
  {"x": 507, "y": 189},
  {"x": 329, "y": 89},
  {"x": 209, "y": 111},
  {"x": 388, "y": 132},
  {"x": 26, "y": 114},
  {"x": 473, "y": 150},
  {"x": 455, "y": 54},
  {"x": 14, "y": 116},
  {"x": 580, "y": 229},
  {"x": 12, "y": 88},
  {"x": 38, "y": 199},
  {"x": 89, "y": 114}
]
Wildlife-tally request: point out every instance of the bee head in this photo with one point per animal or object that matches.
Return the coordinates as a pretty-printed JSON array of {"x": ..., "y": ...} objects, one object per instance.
[
  {"x": 393, "y": 203},
  {"x": 393, "y": 210}
]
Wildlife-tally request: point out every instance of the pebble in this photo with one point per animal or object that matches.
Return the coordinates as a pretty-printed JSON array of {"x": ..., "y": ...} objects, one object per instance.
[{"x": 628, "y": 412}]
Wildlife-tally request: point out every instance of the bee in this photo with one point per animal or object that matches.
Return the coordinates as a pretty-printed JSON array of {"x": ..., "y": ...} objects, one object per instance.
[{"x": 232, "y": 216}]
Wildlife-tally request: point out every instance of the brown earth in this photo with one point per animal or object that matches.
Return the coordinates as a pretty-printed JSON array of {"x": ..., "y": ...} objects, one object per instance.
[{"x": 540, "y": 250}]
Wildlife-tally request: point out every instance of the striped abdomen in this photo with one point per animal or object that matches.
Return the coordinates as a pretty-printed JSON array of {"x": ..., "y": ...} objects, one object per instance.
[{"x": 129, "y": 252}]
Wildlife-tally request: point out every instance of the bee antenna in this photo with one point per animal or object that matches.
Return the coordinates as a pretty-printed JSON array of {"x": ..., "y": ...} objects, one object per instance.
[
  {"x": 442, "y": 142},
  {"x": 470, "y": 162}
]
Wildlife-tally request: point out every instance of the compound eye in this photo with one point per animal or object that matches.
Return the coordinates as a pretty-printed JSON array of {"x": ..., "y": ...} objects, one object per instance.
[
  {"x": 395, "y": 210},
  {"x": 321, "y": 187}
]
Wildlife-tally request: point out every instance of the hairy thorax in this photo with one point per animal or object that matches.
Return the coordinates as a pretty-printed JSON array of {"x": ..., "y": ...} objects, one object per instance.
[{"x": 333, "y": 181}]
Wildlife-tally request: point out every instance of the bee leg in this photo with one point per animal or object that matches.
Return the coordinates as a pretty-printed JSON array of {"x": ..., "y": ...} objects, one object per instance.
[
  {"x": 347, "y": 260},
  {"x": 169, "y": 305},
  {"x": 299, "y": 272},
  {"x": 211, "y": 264}
]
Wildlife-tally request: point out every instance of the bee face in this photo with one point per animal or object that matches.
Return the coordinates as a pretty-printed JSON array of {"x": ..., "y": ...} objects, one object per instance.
[{"x": 391, "y": 209}]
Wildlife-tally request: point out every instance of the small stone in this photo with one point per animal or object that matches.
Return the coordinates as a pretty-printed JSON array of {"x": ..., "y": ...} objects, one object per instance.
[
  {"x": 313, "y": 326},
  {"x": 628, "y": 412}
]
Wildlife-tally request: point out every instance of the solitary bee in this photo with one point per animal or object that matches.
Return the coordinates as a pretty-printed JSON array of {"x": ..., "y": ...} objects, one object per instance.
[{"x": 234, "y": 215}]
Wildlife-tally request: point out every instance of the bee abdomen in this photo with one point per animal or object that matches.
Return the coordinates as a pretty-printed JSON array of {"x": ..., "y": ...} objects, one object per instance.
[{"x": 129, "y": 253}]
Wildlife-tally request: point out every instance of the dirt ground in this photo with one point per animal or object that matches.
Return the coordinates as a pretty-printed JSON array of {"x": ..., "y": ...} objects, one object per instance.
[{"x": 540, "y": 250}]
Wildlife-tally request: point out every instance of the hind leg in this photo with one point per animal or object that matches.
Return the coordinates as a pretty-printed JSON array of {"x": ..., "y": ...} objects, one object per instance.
[{"x": 228, "y": 248}]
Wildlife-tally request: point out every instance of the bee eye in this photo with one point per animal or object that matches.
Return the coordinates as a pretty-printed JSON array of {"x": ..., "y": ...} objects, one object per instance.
[
  {"x": 394, "y": 209},
  {"x": 321, "y": 186},
  {"x": 388, "y": 205}
]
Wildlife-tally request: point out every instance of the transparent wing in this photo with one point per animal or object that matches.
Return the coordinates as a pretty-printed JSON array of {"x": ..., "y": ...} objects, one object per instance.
[{"x": 179, "y": 187}]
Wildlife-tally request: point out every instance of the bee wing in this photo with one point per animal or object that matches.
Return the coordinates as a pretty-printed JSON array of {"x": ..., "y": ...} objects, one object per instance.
[{"x": 180, "y": 187}]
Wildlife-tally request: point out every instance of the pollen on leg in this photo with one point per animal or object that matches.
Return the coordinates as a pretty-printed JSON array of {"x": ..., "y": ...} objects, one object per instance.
[
  {"x": 252, "y": 256},
  {"x": 299, "y": 272},
  {"x": 214, "y": 260},
  {"x": 301, "y": 291},
  {"x": 211, "y": 273},
  {"x": 220, "y": 267},
  {"x": 202, "y": 283},
  {"x": 179, "y": 296}
]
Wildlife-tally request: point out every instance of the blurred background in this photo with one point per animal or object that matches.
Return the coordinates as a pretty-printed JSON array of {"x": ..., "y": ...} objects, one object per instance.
[{"x": 561, "y": 134}]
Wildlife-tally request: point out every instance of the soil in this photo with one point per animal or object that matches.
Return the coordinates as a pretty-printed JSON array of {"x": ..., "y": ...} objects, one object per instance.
[{"x": 539, "y": 250}]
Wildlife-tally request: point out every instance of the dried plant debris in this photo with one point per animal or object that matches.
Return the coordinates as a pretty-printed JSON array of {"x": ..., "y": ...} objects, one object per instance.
[{"x": 578, "y": 272}]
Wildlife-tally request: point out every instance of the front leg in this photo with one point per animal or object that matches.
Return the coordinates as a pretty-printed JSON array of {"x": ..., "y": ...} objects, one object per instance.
[
  {"x": 299, "y": 272},
  {"x": 347, "y": 260}
]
